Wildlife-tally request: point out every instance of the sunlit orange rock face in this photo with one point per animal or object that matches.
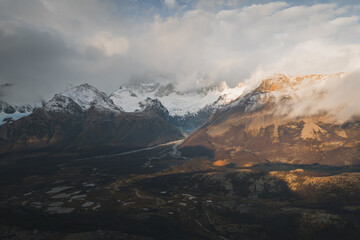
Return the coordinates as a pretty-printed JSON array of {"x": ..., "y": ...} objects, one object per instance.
[
  {"x": 251, "y": 132},
  {"x": 277, "y": 82},
  {"x": 281, "y": 82},
  {"x": 220, "y": 163}
]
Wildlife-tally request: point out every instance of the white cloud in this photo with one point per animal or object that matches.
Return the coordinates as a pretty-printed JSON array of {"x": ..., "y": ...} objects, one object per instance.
[
  {"x": 109, "y": 44},
  {"x": 337, "y": 95},
  {"x": 312, "y": 57},
  {"x": 170, "y": 3}
]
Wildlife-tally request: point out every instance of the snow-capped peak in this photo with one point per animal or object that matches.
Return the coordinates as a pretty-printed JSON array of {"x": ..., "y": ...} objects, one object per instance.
[
  {"x": 222, "y": 86},
  {"x": 155, "y": 106},
  {"x": 87, "y": 96},
  {"x": 81, "y": 98},
  {"x": 62, "y": 103}
]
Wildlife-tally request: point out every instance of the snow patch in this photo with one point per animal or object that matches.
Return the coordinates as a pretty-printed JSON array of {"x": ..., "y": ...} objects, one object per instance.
[
  {"x": 13, "y": 116},
  {"x": 87, "y": 204},
  {"x": 58, "y": 189}
]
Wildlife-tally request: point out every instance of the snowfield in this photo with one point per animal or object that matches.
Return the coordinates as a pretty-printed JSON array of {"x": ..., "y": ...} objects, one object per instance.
[{"x": 178, "y": 103}]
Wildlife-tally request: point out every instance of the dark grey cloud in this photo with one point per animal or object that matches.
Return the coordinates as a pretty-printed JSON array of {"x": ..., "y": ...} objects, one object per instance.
[{"x": 36, "y": 62}]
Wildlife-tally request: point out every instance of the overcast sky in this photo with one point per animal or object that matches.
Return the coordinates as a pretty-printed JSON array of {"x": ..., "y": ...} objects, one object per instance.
[{"x": 45, "y": 45}]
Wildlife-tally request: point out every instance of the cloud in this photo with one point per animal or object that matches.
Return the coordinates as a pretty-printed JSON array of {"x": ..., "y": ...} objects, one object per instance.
[
  {"x": 337, "y": 95},
  {"x": 170, "y": 3},
  {"x": 311, "y": 57},
  {"x": 25, "y": 54},
  {"x": 109, "y": 44},
  {"x": 45, "y": 45}
]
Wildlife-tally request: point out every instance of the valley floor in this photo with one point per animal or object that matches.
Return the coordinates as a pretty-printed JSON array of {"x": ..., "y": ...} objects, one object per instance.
[{"x": 157, "y": 193}]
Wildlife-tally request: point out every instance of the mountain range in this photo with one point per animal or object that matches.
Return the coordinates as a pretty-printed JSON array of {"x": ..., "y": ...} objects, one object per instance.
[
  {"x": 83, "y": 119},
  {"x": 134, "y": 116},
  {"x": 242, "y": 125}
]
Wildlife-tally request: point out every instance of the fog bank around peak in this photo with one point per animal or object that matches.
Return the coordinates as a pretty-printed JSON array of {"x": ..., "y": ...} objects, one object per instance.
[{"x": 337, "y": 96}]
